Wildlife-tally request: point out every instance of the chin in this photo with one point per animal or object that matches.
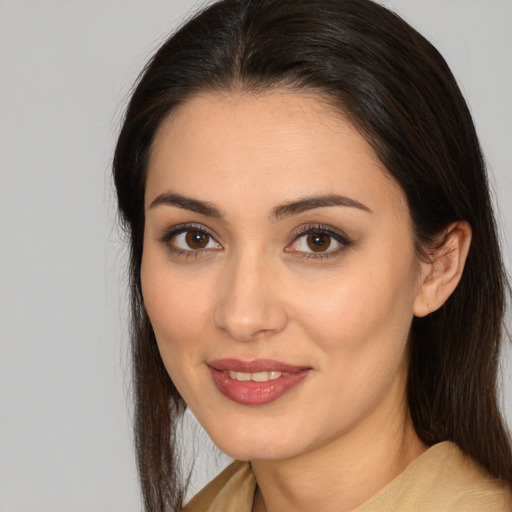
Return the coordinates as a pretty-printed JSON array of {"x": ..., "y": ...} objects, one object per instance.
[
  {"x": 249, "y": 451},
  {"x": 258, "y": 443}
]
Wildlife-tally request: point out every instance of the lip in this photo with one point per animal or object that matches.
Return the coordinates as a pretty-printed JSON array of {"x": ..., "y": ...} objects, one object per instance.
[
  {"x": 255, "y": 393},
  {"x": 257, "y": 365}
]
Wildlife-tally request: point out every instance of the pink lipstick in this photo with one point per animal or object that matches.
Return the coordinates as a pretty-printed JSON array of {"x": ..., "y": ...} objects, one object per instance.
[{"x": 255, "y": 382}]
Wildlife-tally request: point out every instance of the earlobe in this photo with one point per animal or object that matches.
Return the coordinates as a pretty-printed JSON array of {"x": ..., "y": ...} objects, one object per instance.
[{"x": 440, "y": 275}]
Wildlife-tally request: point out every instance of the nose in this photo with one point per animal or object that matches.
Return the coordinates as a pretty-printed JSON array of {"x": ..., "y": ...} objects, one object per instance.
[{"x": 250, "y": 303}]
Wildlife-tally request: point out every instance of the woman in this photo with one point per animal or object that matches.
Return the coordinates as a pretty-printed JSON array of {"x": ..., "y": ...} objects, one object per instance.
[{"x": 314, "y": 265}]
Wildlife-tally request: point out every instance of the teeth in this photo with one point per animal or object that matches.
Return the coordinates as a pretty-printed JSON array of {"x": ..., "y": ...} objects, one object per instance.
[
  {"x": 243, "y": 376},
  {"x": 257, "y": 376},
  {"x": 261, "y": 376}
]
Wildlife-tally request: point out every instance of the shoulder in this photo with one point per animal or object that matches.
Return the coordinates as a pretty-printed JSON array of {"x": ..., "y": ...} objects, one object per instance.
[
  {"x": 462, "y": 483},
  {"x": 443, "y": 479},
  {"x": 232, "y": 489}
]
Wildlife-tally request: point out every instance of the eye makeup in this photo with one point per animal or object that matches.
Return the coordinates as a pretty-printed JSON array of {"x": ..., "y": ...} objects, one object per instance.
[
  {"x": 310, "y": 241},
  {"x": 318, "y": 241},
  {"x": 190, "y": 240}
]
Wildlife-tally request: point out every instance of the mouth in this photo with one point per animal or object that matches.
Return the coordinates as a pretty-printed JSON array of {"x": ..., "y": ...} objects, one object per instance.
[
  {"x": 256, "y": 376},
  {"x": 255, "y": 382}
]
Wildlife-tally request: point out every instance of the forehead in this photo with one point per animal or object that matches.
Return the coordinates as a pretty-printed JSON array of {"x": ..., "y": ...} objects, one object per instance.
[{"x": 266, "y": 145}]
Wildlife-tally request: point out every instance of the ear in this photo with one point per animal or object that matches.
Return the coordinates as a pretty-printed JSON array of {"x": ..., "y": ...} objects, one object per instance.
[{"x": 441, "y": 274}]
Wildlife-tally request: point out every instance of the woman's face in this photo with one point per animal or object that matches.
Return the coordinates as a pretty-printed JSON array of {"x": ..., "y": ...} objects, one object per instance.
[{"x": 279, "y": 273}]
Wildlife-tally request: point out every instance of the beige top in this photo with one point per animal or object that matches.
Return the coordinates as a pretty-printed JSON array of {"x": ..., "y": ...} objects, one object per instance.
[{"x": 443, "y": 479}]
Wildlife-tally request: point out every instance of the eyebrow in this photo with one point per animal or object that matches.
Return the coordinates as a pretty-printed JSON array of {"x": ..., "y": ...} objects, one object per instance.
[
  {"x": 310, "y": 203},
  {"x": 187, "y": 203},
  {"x": 279, "y": 212}
]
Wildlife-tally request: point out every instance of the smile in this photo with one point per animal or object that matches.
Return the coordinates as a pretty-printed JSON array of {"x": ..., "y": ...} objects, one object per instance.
[
  {"x": 257, "y": 376},
  {"x": 255, "y": 382}
]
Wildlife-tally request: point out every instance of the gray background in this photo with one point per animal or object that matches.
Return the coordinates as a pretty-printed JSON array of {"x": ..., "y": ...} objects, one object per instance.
[{"x": 66, "y": 68}]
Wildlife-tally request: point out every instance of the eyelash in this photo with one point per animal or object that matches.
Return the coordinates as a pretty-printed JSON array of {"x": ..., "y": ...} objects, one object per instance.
[
  {"x": 185, "y": 228},
  {"x": 321, "y": 229},
  {"x": 310, "y": 229}
]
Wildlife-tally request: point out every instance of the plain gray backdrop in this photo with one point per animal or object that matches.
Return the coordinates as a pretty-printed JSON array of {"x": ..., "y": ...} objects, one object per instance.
[{"x": 66, "y": 68}]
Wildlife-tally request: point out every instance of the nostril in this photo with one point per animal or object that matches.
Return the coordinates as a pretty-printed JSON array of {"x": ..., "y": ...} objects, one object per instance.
[{"x": 256, "y": 321}]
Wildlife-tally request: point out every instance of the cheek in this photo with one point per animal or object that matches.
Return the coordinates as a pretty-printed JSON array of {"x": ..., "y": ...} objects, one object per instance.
[
  {"x": 177, "y": 308},
  {"x": 179, "y": 315},
  {"x": 358, "y": 309}
]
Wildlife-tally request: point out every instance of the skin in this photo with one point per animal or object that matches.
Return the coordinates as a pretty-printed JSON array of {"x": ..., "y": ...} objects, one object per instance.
[{"x": 258, "y": 291}]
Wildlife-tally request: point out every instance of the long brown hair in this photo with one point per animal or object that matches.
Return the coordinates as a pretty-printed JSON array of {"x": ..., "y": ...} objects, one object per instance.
[{"x": 398, "y": 91}]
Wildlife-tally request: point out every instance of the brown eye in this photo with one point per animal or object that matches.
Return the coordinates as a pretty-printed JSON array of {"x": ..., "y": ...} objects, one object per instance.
[
  {"x": 318, "y": 242},
  {"x": 183, "y": 239},
  {"x": 196, "y": 239}
]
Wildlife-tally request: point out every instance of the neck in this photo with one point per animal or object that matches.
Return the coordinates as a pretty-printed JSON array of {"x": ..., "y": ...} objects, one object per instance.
[{"x": 342, "y": 474}]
